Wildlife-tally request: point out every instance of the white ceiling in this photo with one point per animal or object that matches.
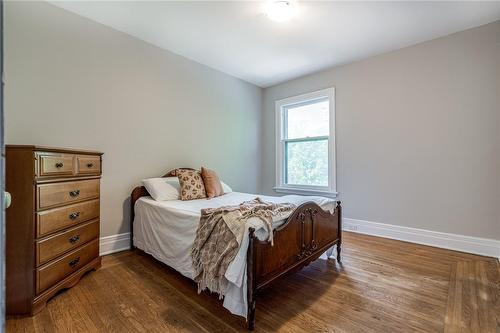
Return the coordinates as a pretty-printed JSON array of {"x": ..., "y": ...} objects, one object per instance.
[{"x": 238, "y": 39}]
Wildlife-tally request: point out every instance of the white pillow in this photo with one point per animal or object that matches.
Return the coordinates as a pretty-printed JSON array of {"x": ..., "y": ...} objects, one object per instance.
[
  {"x": 226, "y": 187},
  {"x": 163, "y": 189}
]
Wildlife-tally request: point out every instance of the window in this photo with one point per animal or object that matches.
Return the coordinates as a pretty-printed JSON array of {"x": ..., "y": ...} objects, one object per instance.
[{"x": 305, "y": 143}]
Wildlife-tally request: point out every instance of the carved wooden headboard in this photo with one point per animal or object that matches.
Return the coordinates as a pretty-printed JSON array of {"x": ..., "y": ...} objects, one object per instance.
[{"x": 140, "y": 191}]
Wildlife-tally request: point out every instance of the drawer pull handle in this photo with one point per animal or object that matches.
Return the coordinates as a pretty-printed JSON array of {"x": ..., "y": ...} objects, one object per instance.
[
  {"x": 59, "y": 165},
  {"x": 74, "y": 216},
  {"x": 74, "y": 262},
  {"x": 74, "y": 239},
  {"x": 90, "y": 165},
  {"x": 74, "y": 193}
]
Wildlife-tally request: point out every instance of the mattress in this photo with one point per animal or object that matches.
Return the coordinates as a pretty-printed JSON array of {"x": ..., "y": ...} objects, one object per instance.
[{"x": 167, "y": 230}]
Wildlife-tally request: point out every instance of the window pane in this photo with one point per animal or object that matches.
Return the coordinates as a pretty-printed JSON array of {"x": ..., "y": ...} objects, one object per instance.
[
  {"x": 306, "y": 163},
  {"x": 307, "y": 120}
]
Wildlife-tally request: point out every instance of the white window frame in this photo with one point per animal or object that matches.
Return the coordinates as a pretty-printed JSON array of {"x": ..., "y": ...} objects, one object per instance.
[{"x": 280, "y": 106}]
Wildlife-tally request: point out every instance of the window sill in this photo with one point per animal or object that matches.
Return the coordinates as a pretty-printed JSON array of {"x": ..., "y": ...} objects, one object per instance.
[{"x": 305, "y": 192}]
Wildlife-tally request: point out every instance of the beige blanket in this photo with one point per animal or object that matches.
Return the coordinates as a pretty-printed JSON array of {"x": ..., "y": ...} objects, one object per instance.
[{"x": 219, "y": 236}]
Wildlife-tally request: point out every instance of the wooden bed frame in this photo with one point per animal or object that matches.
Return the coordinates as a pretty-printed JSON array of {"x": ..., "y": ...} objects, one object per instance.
[{"x": 304, "y": 237}]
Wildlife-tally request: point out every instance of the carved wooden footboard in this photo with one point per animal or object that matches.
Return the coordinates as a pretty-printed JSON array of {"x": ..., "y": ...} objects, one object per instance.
[{"x": 305, "y": 236}]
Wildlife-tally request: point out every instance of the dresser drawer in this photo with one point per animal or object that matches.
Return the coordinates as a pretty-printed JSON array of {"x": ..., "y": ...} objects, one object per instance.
[
  {"x": 52, "y": 220},
  {"x": 50, "y": 248},
  {"x": 57, "y": 194},
  {"x": 55, "y": 164},
  {"x": 88, "y": 165},
  {"x": 53, "y": 272}
]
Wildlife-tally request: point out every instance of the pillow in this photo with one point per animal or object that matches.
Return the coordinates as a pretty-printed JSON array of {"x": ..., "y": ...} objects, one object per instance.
[
  {"x": 191, "y": 184},
  {"x": 175, "y": 172},
  {"x": 213, "y": 187},
  {"x": 162, "y": 189},
  {"x": 226, "y": 187}
]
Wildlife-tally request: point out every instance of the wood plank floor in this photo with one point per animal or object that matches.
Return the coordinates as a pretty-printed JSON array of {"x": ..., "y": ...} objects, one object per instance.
[{"x": 382, "y": 286}]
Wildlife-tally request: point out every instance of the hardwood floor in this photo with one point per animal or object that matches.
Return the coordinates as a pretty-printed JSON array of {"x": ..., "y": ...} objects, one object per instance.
[{"x": 382, "y": 286}]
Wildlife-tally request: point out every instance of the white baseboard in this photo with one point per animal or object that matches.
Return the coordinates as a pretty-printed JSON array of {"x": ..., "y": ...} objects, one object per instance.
[
  {"x": 114, "y": 243},
  {"x": 475, "y": 245}
]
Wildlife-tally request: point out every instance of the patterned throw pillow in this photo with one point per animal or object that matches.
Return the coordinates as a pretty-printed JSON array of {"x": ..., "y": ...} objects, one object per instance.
[{"x": 191, "y": 185}]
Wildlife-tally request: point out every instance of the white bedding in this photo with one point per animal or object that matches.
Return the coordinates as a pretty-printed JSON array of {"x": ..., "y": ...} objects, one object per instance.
[{"x": 167, "y": 230}]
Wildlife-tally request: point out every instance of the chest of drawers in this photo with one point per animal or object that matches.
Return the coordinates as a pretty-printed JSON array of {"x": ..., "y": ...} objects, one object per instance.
[{"x": 52, "y": 226}]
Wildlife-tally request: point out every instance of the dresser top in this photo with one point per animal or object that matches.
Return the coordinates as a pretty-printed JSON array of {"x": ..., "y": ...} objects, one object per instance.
[{"x": 54, "y": 149}]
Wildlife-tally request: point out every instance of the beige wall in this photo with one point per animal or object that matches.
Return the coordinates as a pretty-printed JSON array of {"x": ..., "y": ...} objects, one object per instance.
[
  {"x": 73, "y": 82},
  {"x": 418, "y": 134}
]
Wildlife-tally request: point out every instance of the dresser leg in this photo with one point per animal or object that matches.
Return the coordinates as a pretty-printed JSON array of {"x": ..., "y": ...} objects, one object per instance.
[
  {"x": 38, "y": 306},
  {"x": 41, "y": 301}
]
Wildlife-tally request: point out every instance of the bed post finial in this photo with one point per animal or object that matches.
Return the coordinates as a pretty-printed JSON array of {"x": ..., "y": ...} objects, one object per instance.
[{"x": 251, "y": 290}]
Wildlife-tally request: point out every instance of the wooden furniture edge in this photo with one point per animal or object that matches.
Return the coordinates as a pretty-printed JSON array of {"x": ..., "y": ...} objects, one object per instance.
[
  {"x": 55, "y": 149},
  {"x": 54, "y": 180}
]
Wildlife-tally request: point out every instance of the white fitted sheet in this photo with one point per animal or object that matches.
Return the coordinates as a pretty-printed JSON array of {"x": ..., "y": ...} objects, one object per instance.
[{"x": 167, "y": 230}]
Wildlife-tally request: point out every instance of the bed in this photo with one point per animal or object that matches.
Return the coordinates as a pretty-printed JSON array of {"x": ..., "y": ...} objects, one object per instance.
[{"x": 166, "y": 230}]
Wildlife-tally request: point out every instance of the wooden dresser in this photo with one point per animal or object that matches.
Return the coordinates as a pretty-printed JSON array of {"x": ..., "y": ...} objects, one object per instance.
[{"x": 52, "y": 228}]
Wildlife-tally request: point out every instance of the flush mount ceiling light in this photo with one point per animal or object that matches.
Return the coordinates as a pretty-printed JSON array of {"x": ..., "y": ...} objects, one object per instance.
[{"x": 280, "y": 10}]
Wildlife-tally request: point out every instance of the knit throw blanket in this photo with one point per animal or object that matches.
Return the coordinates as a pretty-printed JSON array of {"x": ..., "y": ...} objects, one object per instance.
[{"x": 219, "y": 237}]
